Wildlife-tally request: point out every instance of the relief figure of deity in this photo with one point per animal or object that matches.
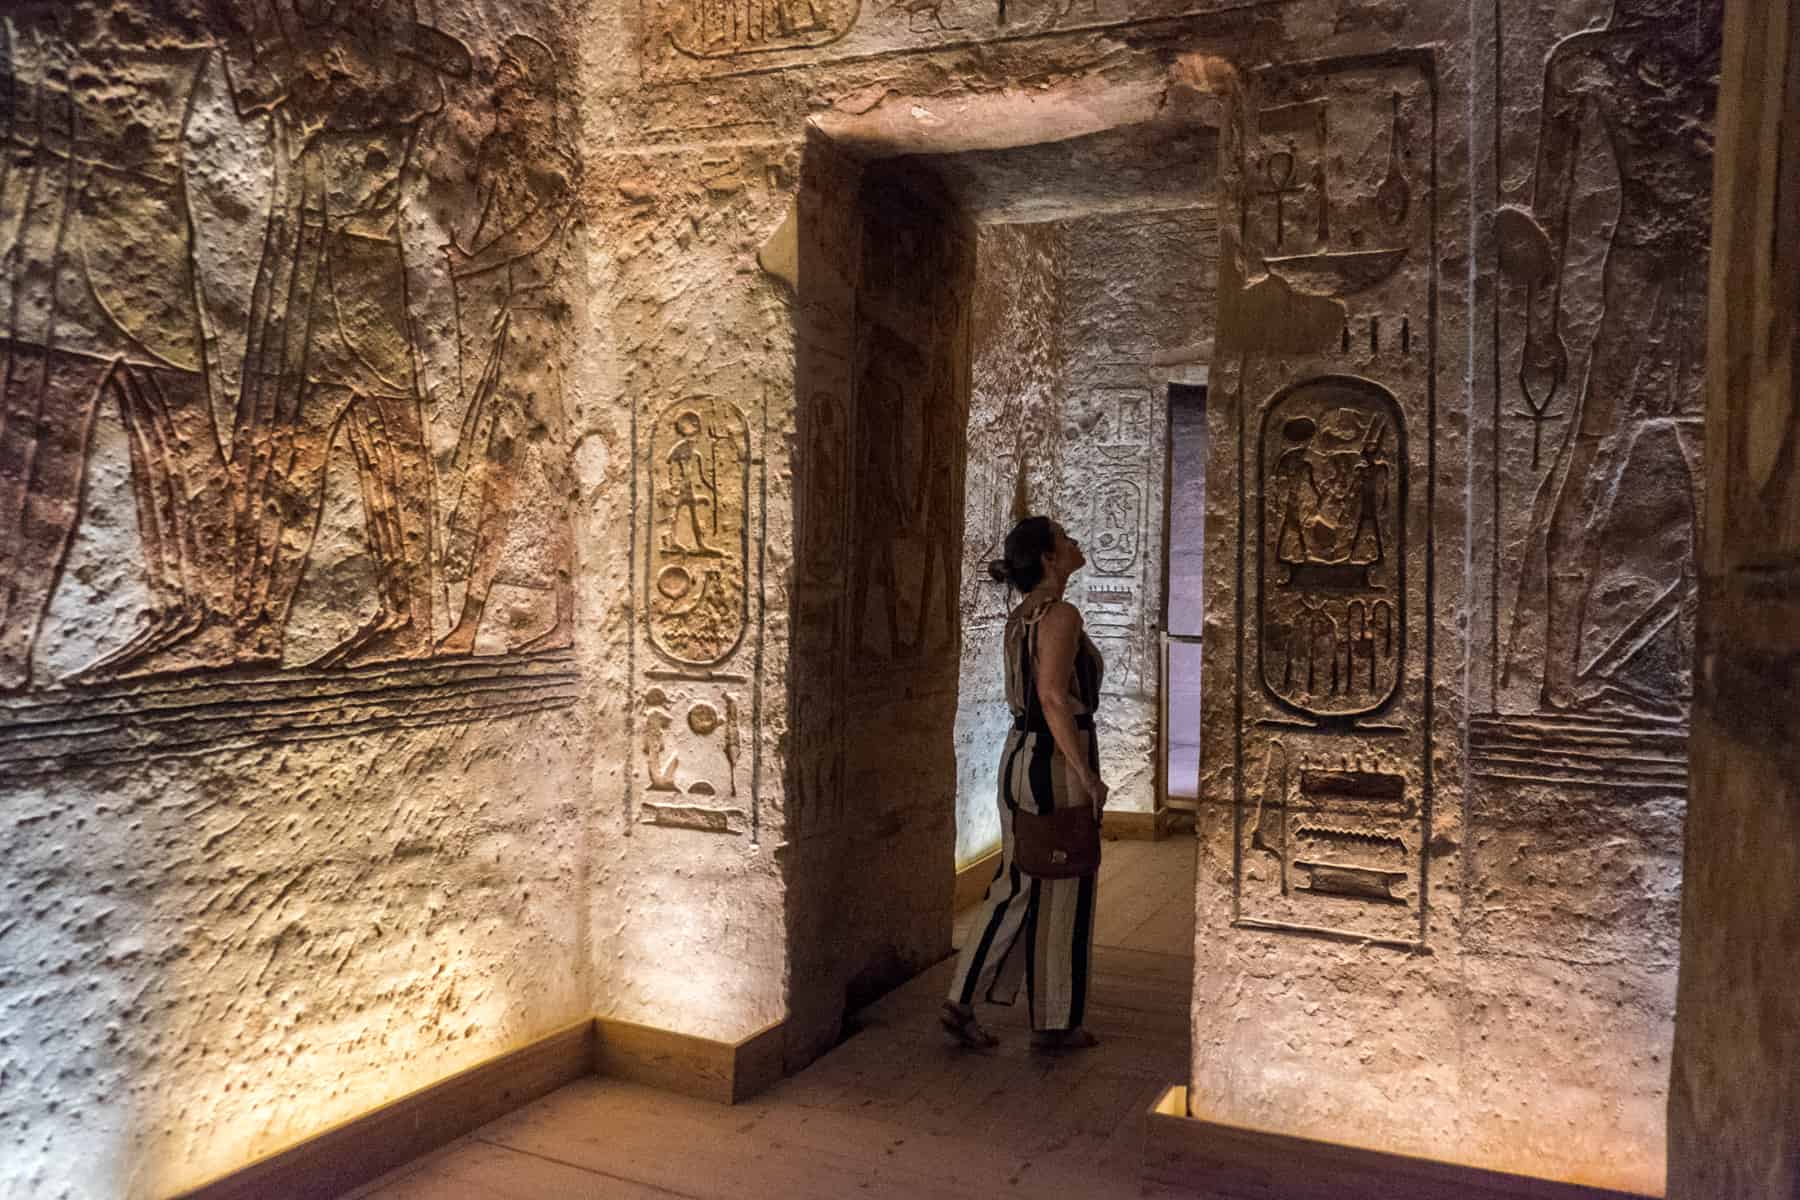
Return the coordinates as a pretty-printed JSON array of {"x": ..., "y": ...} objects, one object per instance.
[
  {"x": 1332, "y": 478},
  {"x": 346, "y": 86},
  {"x": 1608, "y": 593},
  {"x": 507, "y": 521},
  {"x": 100, "y": 300}
]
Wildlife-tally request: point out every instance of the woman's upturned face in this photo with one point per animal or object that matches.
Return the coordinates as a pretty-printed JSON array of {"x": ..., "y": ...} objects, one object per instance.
[{"x": 1065, "y": 558}]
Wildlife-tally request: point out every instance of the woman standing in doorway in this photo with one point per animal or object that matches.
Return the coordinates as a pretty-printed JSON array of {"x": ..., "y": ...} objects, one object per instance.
[{"x": 1042, "y": 929}]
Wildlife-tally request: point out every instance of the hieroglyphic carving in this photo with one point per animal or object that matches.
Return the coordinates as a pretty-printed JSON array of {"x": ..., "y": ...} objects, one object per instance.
[
  {"x": 1110, "y": 603},
  {"x": 697, "y": 562},
  {"x": 1600, "y": 618},
  {"x": 107, "y": 298},
  {"x": 822, "y": 514},
  {"x": 1111, "y": 421},
  {"x": 713, "y": 38},
  {"x": 1124, "y": 673},
  {"x": 727, "y": 28},
  {"x": 1322, "y": 222},
  {"x": 1344, "y": 842},
  {"x": 1332, "y": 541},
  {"x": 1108, "y": 423},
  {"x": 1115, "y": 526},
  {"x": 1328, "y": 306},
  {"x": 693, "y": 754},
  {"x": 1294, "y": 202}
]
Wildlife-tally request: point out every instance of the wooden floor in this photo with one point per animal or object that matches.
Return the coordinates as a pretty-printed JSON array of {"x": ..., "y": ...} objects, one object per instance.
[{"x": 895, "y": 1111}]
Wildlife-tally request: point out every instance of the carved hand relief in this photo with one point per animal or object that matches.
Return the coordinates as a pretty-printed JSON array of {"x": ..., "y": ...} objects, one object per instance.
[
  {"x": 112, "y": 282},
  {"x": 1603, "y": 235},
  {"x": 698, "y": 556},
  {"x": 1332, "y": 540}
]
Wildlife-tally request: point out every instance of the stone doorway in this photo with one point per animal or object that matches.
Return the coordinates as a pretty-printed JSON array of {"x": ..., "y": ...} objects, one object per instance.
[{"x": 985, "y": 321}]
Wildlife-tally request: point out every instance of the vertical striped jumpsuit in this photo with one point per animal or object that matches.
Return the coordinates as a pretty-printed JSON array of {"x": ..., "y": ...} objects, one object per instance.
[{"x": 1040, "y": 928}]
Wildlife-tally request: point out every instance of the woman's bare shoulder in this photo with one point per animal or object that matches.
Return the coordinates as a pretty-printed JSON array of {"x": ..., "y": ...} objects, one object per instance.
[{"x": 1061, "y": 616}]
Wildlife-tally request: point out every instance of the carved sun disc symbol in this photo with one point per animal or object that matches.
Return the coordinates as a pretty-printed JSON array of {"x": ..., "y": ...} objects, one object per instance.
[
  {"x": 674, "y": 582},
  {"x": 703, "y": 718}
]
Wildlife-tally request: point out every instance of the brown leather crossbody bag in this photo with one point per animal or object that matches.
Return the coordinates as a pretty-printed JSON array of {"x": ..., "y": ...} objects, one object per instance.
[{"x": 1063, "y": 843}]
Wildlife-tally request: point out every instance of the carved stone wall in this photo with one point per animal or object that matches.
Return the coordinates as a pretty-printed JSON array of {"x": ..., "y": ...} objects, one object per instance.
[
  {"x": 1068, "y": 390},
  {"x": 1586, "y": 454},
  {"x": 1140, "y": 290},
  {"x": 1014, "y": 467},
  {"x": 886, "y": 287},
  {"x": 479, "y": 489},
  {"x": 291, "y": 705},
  {"x": 1337, "y": 726}
]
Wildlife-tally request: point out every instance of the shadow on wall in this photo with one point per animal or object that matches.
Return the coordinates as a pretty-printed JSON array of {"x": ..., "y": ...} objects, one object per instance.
[{"x": 883, "y": 314}]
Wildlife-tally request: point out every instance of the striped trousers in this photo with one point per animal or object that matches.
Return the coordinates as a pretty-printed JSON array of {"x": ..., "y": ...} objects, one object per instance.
[{"x": 1038, "y": 930}]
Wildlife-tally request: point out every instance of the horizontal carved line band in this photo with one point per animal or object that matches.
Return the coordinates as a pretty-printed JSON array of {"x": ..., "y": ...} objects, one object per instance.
[{"x": 121, "y": 723}]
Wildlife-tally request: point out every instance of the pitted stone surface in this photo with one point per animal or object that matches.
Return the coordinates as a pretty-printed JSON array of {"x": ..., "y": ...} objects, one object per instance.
[{"x": 451, "y": 588}]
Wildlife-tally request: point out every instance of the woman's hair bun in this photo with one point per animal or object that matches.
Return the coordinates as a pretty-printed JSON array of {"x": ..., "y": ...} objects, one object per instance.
[{"x": 997, "y": 571}]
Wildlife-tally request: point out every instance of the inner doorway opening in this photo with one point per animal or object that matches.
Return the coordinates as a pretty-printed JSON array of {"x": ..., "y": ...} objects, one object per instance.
[
  {"x": 1183, "y": 601},
  {"x": 1090, "y": 268}
]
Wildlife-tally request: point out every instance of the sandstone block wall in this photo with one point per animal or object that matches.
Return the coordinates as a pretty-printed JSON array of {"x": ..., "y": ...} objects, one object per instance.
[
  {"x": 1071, "y": 382},
  {"x": 459, "y": 578},
  {"x": 294, "y": 708},
  {"x": 1014, "y": 468}
]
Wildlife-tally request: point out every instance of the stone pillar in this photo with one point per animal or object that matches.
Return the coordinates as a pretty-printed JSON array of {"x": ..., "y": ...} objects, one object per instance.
[{"x": 1734, "y": 1104}]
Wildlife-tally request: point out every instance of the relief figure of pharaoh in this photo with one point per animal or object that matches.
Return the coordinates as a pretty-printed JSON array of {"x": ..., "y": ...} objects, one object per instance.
[
  {"x": 508, "y": 522},
  {"x": 100, "y": 301},
  {"x": 1608, "y": 589},
  {"x": 346, "y": 86}
]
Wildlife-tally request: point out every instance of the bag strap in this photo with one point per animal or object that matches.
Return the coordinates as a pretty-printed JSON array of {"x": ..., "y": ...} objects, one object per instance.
[
  {"x": 1030, "y": 656},
  {"x": 1028, "y": 671}
]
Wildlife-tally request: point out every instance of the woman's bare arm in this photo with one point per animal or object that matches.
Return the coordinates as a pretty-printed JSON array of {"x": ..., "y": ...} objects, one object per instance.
[{"x": 1058, "y": 636}]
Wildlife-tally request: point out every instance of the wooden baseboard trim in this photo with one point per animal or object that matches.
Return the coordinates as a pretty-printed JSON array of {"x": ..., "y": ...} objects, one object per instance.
[
  {"x": 1186, "y": 1155},
  {"x": 972, "y": 881},
  {"x": 1137, "y": 826},
  {"x": 350, "y": 1154},
  {"x": 724, "y": 1072}
]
